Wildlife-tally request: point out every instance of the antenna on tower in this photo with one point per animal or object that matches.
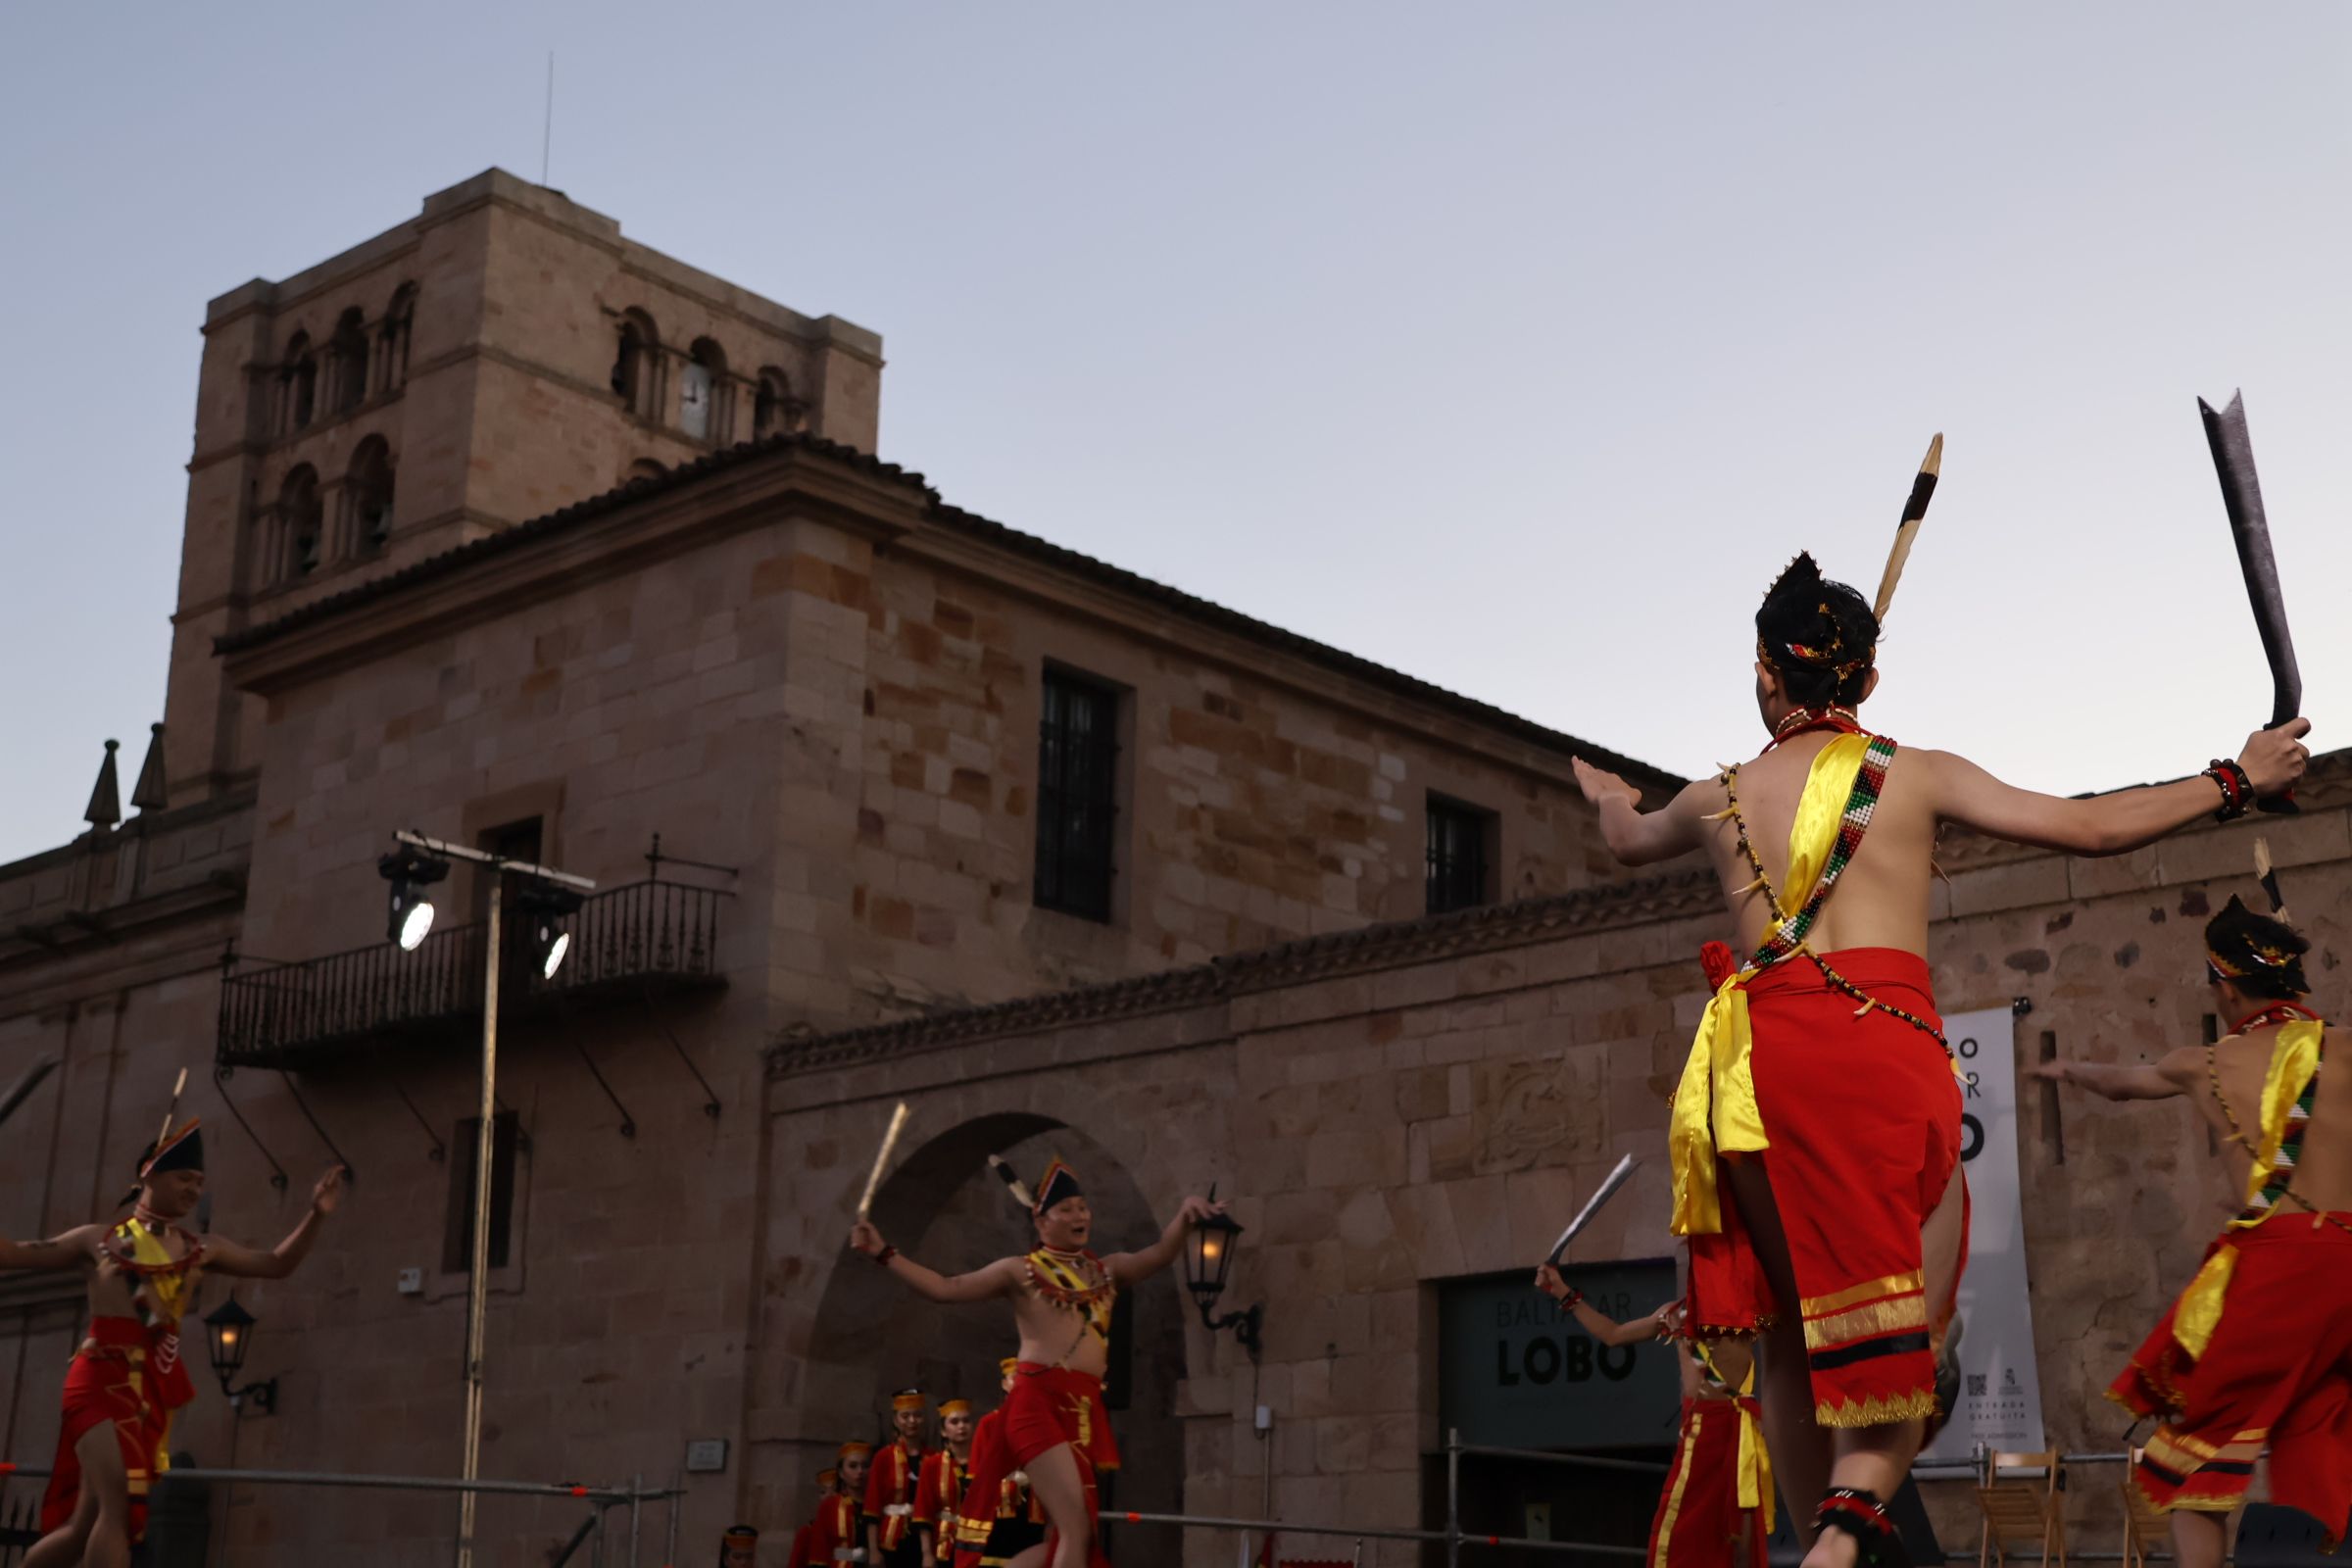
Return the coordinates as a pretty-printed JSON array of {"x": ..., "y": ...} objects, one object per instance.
[{"x": 547, "y": 133}]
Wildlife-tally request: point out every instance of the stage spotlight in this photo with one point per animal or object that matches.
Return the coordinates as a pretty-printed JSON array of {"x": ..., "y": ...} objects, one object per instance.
[
  {"x": 411, "y": 871},
  {"x": 545, "y": 910}
]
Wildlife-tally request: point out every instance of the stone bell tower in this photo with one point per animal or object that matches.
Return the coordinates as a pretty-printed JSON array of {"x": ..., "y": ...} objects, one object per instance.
[{"x": 504, "y": 354}]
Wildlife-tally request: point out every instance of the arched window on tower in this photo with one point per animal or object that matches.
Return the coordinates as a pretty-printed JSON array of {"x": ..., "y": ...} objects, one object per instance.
[
  {"x": 702, "y": 391},
  {"x": 637, "y": 366},
  {"x": 347, "y": 363},
  {"x": 298, "y": 384},
  {"x": 775, "y": 409},
  {"x": 368, "y": 488},
  {"x": 299, "y": 520},
  {"x": 393, "y": 339}
]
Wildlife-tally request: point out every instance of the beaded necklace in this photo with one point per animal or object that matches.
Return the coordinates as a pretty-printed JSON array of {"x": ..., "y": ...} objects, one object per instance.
[
  {"x": 1801, "y": 721},
  {"x": 1076, "y": 1282}
]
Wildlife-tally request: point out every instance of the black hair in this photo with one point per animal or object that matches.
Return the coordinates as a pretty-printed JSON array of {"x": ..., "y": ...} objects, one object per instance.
[
  {"x": 2260, "y": 955},
  {"x": 1819, "y": 635}
]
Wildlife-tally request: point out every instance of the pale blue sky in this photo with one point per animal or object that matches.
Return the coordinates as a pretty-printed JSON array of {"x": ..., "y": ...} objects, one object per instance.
[{"x": 1515, "y": 345}]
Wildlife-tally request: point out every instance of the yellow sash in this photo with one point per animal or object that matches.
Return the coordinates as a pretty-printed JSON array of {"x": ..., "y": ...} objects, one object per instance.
[
  {"x": 1755, "y": 1459},
  {"x": 1715, "y": 1105},
  {"x": 148, "y": 1251},
  {"x": 2294, "y": 1057}
]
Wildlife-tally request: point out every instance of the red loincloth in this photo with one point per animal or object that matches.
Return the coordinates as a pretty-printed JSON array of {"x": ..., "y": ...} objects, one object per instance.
[
  {"x": 1049, "y": 1406},
  {"x": 130, "y": 1376},
  {"x": 1864, "y": 1120},
  {"x": 1699, "y": 1517},
  {"x": 997, "y": 1515},
  {"x": 2277, "y": 1371}
]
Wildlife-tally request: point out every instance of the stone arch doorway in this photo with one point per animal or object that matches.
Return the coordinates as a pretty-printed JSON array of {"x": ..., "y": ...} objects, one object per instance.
[{"x": 944, "y": 1206}]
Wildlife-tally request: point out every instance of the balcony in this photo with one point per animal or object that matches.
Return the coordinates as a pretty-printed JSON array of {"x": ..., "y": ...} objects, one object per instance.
[{"x": 640, "y": 939}]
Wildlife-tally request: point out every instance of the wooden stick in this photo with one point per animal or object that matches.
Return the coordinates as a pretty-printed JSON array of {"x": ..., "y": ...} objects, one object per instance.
[
  {"x": 1915, "y": 511},
  {"x": 889, "y": 1141},
  {"x": 172, "y": 1106}
]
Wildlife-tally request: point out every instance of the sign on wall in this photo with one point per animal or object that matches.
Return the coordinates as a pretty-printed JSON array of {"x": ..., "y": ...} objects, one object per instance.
[
  {"x": 2001, "y": 1389},
  {"x": 1515, "y": 1371}
]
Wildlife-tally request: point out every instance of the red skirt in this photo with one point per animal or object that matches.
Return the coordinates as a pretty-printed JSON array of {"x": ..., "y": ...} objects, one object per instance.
[
  {"x": 1049, "y": 1406},
  {"x": 1699, "y": 1517},
  {"x": 2277, "y": 1371},
  {"x": 1863, "y": 1115},
  {"x": 131, "y": 1378}
]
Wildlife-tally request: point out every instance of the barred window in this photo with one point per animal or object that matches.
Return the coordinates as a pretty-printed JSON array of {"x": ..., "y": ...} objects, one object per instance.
[
  {"x": 1077, "y": 757},
  {"x": 1459, "y": 840}
]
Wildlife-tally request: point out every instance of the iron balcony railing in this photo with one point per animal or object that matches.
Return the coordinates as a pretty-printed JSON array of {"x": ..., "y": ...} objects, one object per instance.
[{"x": 648, "y": 937}]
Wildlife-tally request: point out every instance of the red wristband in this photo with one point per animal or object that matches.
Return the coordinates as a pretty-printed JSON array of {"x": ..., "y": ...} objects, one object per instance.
[{"x": 883, "y": 1257}]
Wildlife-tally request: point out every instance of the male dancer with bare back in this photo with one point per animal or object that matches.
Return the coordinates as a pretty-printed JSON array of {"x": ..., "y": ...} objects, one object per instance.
[
  {"x": 2257, "y": 1351},
  {"x": 127, "y": 1378},
  {"x": 1061, "y": 1294},
  {"x": 1815, "y": 1135}
]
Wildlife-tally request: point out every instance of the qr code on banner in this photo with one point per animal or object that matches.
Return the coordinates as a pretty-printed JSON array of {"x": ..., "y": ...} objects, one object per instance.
[{"x": 1976, "y": 1385}]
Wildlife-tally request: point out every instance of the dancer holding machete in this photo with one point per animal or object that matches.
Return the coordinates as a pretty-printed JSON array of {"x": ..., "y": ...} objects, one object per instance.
[
  {"x": 2257, "y": 1351},
  {"x": 1815, "y": 1135},
  {"x": 1716, "y": 1505}
]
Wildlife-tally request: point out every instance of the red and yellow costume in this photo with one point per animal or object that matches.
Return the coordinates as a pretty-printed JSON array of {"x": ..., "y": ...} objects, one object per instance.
[
  {"x": 840, "y": 1523},
  {"x": 127, "y": 1373},
  {"x": 998, "y": 1517},
  {"x": 1830, "y": 1068},
  {"x": 939, "y": 1491},
  {"x": 1720, "y": 1480},
  {"x": 808, "y": 1551},
  {"x": 890, "y": 1487},
  {"x": 2258, "y": 1350},
  {"x": 1052, "y": 1405}
]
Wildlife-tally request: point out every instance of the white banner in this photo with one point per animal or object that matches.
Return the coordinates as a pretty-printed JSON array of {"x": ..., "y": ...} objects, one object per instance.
[{"x": 2000, "y": 1389}]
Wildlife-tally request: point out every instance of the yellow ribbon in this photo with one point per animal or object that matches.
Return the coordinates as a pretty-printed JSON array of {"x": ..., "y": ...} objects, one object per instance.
[
  {"x": 1755, "y": 1458},
  {"x": 1715, "y": 1109},
  {"x": 2294, "y": 1057},
  {"x": 2199, "y": 1310}
]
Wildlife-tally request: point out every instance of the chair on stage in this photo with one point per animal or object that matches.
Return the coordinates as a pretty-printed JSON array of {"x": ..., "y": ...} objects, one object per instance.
[
  {"x": 2023, "y": 1497},
  {"x": 2145, "y": 1524}
]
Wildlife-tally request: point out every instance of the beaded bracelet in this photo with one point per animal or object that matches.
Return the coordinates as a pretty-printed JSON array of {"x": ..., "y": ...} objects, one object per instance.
[
  {"x": 1572, "y": 1300},
  {"x": 883, "y": 1257},
  {"x": 2238, "y": 790}
]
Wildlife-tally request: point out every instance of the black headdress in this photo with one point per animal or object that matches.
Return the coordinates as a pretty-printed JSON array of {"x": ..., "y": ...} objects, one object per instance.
[
  {"x": 2261, "y": 957},
  {"x": 182, "y": 1149},
  {"x": 1057, "y": 1183}
]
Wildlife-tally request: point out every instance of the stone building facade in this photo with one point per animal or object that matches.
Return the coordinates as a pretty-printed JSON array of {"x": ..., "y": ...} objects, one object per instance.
[
  {"x": 504, "y": 529},
  {"x": 1402, "y": 1108}
]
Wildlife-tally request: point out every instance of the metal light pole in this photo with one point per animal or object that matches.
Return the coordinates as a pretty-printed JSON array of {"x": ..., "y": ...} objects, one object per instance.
[
  {"x": 478, "y": 1304},
  {"x": 477, "y": 1299}
]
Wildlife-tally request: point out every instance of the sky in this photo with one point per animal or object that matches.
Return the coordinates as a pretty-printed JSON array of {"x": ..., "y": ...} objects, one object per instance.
[{"x": 1513, "y": 346}]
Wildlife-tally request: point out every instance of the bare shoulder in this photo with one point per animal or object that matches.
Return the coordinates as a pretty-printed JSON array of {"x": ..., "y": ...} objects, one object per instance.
[
  {"x": 2184, "y": 1066},
  {"x": 1699, "y": 798}
]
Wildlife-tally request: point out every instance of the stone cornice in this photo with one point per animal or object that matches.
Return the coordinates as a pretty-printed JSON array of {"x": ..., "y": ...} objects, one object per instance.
[{"x": 1677, "y": 896}]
